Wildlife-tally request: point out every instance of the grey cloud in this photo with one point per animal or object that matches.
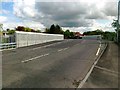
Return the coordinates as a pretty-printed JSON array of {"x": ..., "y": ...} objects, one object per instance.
[
  {"x": 69, "y": 14},
  {"x": 110, "y": 9},
  {"x": 76, "y": 23},
  {"x": 65, "y": 14}
]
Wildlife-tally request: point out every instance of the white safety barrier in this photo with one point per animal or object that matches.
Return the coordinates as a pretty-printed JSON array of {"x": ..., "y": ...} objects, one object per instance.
[{"x": 32, "y": 38}]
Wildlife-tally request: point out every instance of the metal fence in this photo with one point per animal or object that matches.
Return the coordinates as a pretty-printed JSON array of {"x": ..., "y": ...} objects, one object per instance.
[{"x": 7, "y": 41}]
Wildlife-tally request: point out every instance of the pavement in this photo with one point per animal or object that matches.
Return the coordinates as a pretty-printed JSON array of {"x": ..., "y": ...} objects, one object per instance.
[
  {"x": 105, "y": 73},
  {"x": 51, "y": 65}
]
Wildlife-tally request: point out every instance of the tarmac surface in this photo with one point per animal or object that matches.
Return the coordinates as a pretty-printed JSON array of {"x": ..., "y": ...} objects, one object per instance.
[
  {"x": 105, "y": 73},
  {"x": 51, "y": 65}
]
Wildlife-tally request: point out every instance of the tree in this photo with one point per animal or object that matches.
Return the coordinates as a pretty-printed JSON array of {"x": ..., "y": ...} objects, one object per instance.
[
  {"x": 96, "y": 32},
  {"x": 109, "y": 35},
  {"x": 27, "y": 29},
  {"x": 57, "y": 29},
  {"x": 38, "y": 31},
  {"x": 52, "y": 29},
  {"x": 72, "y": 34},
  {"x": 67, "y": 34},
  {"x": 20, "y": 28},
  {"x": 115, "y": 24},
  {"x": 47, "y": 30},
  {"x": 10, "y": 32}
]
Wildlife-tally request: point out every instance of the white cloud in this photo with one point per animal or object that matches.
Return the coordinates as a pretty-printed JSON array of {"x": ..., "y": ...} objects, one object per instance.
[
  {"x": 77, "y": 15},
  {"x": 33, "y": 25},
  {"x": 2, "y": 11},
  {"x": 11, "y": 25},
  {"x": 3, "y": 19},
  {"x": 24, "y": 8}
]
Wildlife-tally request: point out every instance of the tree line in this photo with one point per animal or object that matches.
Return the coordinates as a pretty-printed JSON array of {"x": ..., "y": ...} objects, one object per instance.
[
  {"x": 56, "y": 29},
  {"x": 105, "y": 34}
]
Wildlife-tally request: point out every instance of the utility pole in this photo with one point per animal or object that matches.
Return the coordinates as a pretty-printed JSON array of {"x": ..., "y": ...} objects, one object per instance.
[{"x": 118, "y": 21}]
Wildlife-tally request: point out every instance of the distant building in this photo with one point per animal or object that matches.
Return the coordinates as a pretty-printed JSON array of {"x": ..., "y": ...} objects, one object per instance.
[{"x": 78, "y": 34}]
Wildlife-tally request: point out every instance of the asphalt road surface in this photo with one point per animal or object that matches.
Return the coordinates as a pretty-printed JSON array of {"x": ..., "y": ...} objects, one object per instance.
[{"x": 54, "y": 65}]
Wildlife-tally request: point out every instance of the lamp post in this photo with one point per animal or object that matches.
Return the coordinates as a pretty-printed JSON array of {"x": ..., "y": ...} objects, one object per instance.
[{"x": 118, "y": 21}]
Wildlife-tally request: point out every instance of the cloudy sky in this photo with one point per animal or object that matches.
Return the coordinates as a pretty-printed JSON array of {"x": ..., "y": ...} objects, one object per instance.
[{"x": 76, "y": 15}]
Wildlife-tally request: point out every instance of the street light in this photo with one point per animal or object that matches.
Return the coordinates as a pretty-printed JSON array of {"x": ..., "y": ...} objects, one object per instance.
[{"x": 118, "y": 21}]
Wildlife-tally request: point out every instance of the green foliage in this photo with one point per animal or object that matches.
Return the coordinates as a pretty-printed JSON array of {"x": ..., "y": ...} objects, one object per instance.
[
  {"x": 20, "y": 28},
  {"x": 47, "y": 30},
  {"x": 72, "y": 34},
  {"x": 68, "y": 34},
  {"x": 26, "y": 29},
  {"x": 10, "y": 32},
  {"x": 106, "y": 35},
  {"x": 96, "y": 32},
  {"x": 54, "y": 29},
  {"x": 109, "y": 35},
  {"x": 114, "y": 23},
  {"x": 38, "y": 31}
]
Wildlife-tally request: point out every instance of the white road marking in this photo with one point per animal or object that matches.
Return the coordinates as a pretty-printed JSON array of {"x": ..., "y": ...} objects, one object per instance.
[
  {"x": 45, "y": 46},
  {"x": 100, "y": 44},
  {"x": 49, "y": 45},
  {"x": 105, "y": 69},
  {"x": 35, "y": 58},
  {"x": 62, "y": 49},
  {"x": 91, "y": 69},
  {"x": 98, "y": 51},
  {"x": 65, "y": 48}
]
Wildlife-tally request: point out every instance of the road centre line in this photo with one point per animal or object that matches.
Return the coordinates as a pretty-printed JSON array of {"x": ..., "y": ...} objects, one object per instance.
[
  {"x": 62, "y": 49},
  {"x": 45, "y": 46},
  {"x": 35, "y": 58},
  {"x": 49, "y": 45}
]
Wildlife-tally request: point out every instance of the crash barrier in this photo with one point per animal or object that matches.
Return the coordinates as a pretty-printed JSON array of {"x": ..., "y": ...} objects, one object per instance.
[{"x": 32, "y": 38}]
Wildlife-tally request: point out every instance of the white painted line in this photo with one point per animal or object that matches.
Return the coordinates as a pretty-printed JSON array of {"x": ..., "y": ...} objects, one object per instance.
[
  {"x": 98, "y": 51},
  {"x": 100, "y": 45},
  {"x": 91, "y": 69},
  {"x": 65, "y": 48},
  {"x": 62, "y": 49},
  {"x": 105, "y": 69},
  {"x": 46, "y": 54},
  {"x": 45, "y": 46},
  {"x": 35, "y": 58}
]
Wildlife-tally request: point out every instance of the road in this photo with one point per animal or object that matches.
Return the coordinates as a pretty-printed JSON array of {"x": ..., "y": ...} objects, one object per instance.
[
  {"x": 106, "y": 73},
  {"x": 54, "y": 65}
]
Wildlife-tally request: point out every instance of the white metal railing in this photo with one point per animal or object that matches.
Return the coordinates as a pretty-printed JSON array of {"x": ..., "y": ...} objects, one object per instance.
[{"x": 7, "y": 45}]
